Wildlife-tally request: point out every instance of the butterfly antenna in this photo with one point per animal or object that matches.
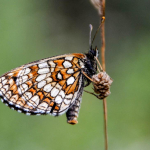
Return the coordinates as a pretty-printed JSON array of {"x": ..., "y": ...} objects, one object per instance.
[
  {"x": 102, "y": 21},
  {"x": 91, "y": 28}
]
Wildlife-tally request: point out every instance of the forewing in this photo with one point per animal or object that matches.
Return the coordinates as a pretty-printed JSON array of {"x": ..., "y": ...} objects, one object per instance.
[{"x": 48, "y": 86}]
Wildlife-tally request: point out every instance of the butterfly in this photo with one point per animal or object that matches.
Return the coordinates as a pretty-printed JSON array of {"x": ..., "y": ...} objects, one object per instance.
[{"x": 49, "y": 86}]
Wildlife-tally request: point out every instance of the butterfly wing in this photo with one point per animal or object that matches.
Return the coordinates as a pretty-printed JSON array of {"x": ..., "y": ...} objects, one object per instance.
[{"x": 48, "y": 86}]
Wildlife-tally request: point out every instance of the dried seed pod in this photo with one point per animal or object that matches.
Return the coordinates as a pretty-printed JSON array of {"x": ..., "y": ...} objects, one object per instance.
[{"x": 102, "y": 83}]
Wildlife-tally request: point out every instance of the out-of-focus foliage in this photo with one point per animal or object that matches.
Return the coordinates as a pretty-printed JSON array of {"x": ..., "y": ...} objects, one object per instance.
[{"x": 32, "y": 30}]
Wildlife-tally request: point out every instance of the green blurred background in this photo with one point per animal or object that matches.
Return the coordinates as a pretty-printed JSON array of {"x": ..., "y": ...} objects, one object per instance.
[{"x": 32, "y": 30}]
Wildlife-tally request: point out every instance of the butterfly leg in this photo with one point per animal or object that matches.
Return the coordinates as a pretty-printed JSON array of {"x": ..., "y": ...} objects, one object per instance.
[
  {"x": 87, "y": 76},
  {"x": 98, "y": 96}
]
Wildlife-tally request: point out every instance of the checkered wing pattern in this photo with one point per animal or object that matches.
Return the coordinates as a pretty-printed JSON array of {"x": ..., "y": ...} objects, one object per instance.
[{"x": 48, "y": 86}]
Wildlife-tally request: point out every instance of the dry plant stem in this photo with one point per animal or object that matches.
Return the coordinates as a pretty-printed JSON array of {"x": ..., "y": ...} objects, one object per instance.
[
  {"x": 105, "y": 122},
  {"x": 100, "y": 5},
  {"x": 102, "y": 13},
  {"x": 103, "y": 46}
]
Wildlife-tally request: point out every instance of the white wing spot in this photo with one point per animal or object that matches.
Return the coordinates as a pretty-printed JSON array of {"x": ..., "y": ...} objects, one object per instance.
[
  {"x": 68, "y": 58},
  {"x": 18, "y": 106},
  {"x": 10, "y": 74},
  {"x": 62, "y": 94},
  {"x": 58, "y": 99},
  {"x": 3, "y": 90},
  {"x": 52, "y": 69},
  {"x": 49, "y": 109},
  {"x": 8, "y": 94},
  {"x": 26, "y": 109},
  {"x": 41, "y": 77},
  {"x": 81, "y": 64},
  {"x": 4, "y": 82},
  {"x": 69, "y": 96},
  {"x": 41, "y": 84},
  {"x": 11, "y": 82},
  {"x": 19, "y": 90},
  {"x": 29, "y": 94},
  {"x": 67, "y": 64},
  {"x": 3, "y": 78},
  {"x": 63, "y": 107},
  {"x": 54, "y": 92},
  {"x": 70, "y": 71},
  {"x": 27, "y": 70},
  {"x": 35, "y": 99},
  {"x": 43, "y": 71},
  {"x": 28, "y": 114},
  {"x": 70, "y": 80},
  {"x": 48, "y": 88},
  {"x": 59, "y": 76},
  {"x": 43, "y": 105},
  {"x": 66, "y": 101},
  {"x": 6, "y": 87},
  {"x": 25, "y": 86},
  {"x": 52, "y": 64},
  {"x": 21, "y": 72},
  {"x": 43, "y": 65},
  {"x": 48, "y": 74},
  {"x": 24, "y": 78},
  {"x": 10, "y": 102},
  {"x": 58, "y": 86},
  {"x": 48, "y": 80}
]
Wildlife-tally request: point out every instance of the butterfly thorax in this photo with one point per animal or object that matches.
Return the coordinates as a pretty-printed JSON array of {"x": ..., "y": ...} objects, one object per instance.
[{"x": 90, "y": 63}]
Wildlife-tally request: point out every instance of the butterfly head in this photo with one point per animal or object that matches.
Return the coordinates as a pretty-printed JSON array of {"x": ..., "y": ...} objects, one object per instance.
[{"x": 93, "y": 52}]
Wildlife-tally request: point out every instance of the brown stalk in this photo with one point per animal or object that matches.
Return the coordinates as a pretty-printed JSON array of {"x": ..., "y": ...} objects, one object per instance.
[
  {"x": 100, "y": 6},
  {"x": 102, "y": 14}
]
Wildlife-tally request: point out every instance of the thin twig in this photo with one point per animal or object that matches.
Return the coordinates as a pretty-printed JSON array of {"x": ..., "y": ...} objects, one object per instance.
[
  {"x": 105, "y": 122},
  {"x": 100, "y": 6},
  {"x": 102, "y": 14}
]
